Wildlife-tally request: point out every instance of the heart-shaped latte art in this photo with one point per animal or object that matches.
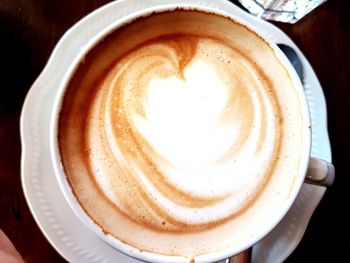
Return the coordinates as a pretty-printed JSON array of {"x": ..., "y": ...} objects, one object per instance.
[{"x": 185, "y": 122}]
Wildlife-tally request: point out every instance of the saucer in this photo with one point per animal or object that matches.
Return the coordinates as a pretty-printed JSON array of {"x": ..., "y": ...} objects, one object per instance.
[{"x": 56, "y": 219}]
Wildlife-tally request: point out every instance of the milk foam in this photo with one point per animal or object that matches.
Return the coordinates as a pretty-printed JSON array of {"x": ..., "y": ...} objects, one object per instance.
[
  {"x": 180, "y": 120},
  {"x": 181, "y": 133}
]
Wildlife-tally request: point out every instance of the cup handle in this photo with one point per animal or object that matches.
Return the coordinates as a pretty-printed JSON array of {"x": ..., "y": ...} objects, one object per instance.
[{"x": 320, "y": 172}]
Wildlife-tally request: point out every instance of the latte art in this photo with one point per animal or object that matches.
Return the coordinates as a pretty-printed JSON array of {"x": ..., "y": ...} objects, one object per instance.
[
  {"x": 172, "y": 129},
  {"x": 184, "y": 134}
]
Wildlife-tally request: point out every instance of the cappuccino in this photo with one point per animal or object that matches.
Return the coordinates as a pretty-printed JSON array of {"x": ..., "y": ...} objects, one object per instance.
[{"x": 176, "y": 128}]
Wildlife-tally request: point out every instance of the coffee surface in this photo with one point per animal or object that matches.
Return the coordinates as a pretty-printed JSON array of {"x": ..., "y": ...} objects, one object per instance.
[{"x": 174, "y": 126}]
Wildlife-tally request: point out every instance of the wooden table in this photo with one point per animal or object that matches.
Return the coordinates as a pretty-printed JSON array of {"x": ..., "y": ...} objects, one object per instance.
[{"x": 29, "y": 31}]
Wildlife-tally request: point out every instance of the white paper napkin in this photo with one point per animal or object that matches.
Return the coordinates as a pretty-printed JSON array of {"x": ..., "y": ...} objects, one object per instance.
[{"x": 289, "y": 11}]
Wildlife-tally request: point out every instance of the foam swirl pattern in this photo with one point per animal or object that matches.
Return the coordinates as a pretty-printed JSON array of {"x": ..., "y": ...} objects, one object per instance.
[
  {"x": 173, "y": 125},
  {"x": 181, "y": 130}
]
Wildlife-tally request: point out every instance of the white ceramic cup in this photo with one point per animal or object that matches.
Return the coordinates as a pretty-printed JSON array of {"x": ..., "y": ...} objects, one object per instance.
[{"x": 319, "y": 174}]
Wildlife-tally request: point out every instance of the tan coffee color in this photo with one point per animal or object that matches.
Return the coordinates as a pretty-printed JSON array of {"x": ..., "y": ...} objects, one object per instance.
[{"x": 174, "y": 126}]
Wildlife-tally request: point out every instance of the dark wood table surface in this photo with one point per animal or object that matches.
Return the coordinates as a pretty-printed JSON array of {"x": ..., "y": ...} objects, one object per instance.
[{"x": 29, "y": 30}]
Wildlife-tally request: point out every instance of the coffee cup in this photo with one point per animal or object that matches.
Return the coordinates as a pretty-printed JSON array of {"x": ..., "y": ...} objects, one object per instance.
[{"x": 181, "y": 135}]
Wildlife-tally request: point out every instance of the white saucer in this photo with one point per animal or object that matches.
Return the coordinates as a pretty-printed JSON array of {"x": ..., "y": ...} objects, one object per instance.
[{"x": 54, "y": 216}]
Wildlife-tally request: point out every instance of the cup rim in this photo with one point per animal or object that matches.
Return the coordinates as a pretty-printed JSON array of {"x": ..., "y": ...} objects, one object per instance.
[{"x": 66, "y": 188}]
